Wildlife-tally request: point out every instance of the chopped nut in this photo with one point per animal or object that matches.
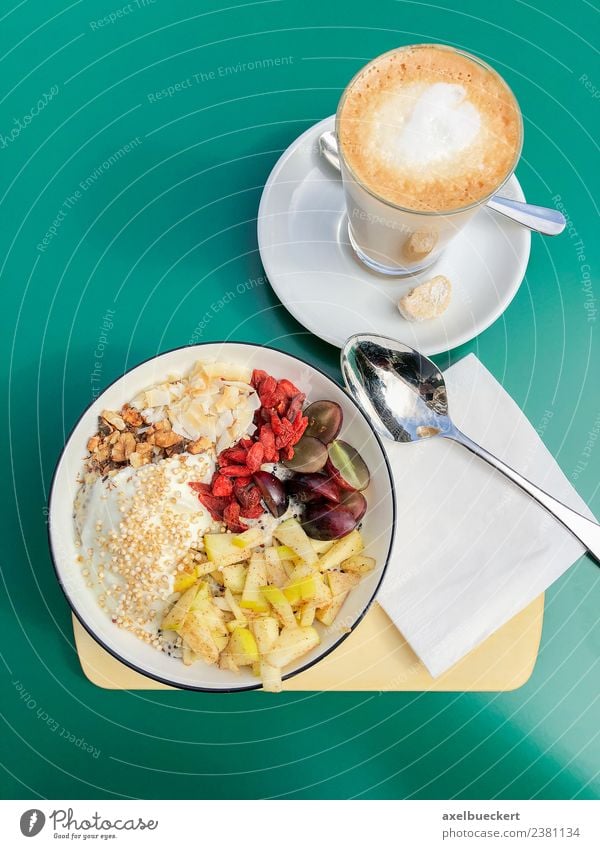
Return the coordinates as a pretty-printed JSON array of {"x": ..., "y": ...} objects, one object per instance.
[
  {"x": 128, "y": 443},
  {"x": 93, "y": 443},
  {"x": 113, "y": 419},
  {"x": 144, "y": 449},
  {"x": 202, "y": 444},
  {"x": 136, "y": 459},
  {"x": 132, "y": 417},
  {"x": 117, "y": 455},
  {"x": 101, "y": 454},
  {"x": 165, "y": 439},
  {"x": 163, "y": 424}
]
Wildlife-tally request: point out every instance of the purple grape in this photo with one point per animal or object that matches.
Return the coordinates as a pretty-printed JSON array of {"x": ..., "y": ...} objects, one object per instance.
[
  {"x": 325, "y": 521},
  {"x": 324, "y": 420},
  {"x": 312, "y": 487},
  {"x": 346, "y": 466},
  {"x": 310, "y": 455},
  {"x": 355, "y": 502},
  {"x": 272, "y": 492}
]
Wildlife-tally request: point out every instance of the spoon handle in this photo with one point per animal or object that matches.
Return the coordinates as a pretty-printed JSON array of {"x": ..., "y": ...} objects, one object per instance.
[
  {"x": 586, "y": 531},
  {"x": 540, "y": 219}
]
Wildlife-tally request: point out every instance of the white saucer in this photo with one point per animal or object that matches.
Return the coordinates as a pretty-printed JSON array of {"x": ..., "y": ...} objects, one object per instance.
[{"x": 309, "y": 262}]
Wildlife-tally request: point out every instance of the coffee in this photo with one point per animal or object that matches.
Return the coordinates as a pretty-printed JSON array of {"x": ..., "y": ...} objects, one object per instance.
[{"x": 429, "y": 129}]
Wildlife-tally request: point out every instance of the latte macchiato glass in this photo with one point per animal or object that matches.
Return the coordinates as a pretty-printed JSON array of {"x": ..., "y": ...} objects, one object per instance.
[{"x": 426, "y": 135}]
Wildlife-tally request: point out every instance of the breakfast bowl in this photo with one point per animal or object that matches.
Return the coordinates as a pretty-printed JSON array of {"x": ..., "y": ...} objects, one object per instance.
[{"x": 98, "y": 578}]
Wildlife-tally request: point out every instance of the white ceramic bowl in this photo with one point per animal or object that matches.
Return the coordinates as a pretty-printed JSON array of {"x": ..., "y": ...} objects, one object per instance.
[{"x": 378, "y": 524}]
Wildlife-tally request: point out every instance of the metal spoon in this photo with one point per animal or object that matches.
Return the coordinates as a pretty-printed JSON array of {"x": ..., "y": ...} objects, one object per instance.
[
  {"x": 404, "y": 395},
  {"x": 540, "y": 219}
]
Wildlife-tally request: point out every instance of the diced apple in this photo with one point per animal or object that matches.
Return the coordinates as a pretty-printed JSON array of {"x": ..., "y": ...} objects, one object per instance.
[
  {"x": 222, "y": 552},
  {"x": 359, "y": 564},
  {"x": 202, "y": 594},
  {"x": 234, "y": 606},
  {"x": 206, "y": 568},
  {"x": 342, "y": 582},
  {"x": 321, "y": 545},
  {"x": 327, "y": 615},
  {"x": 196, "y": 633},
  {"x": 252, "y": 599},
  {"x": 174, "y": 618},
  {"x": 266, "y": 631},
  {"x": 184, "y": 579},
  {"x": 341, "y": 550},
  {"x": 251, "y": 538},
  {"x": 292, "y": 533},
  {"x": 284, "y": 552},
  {"x": 302, "y": 588},
  {"x": 276, "y": 574},
  {"x": 271, "y": 678},
  {"x": 280, "y": 605},
  {"x": 307, "y": 614},
  {"x": 226, "y": 662},
  {"x": 242, "y": 647},
  {"x": 291, "y": 644},
  {"x": 234, "y": 577},
  {"x": 188, "y": 656}
]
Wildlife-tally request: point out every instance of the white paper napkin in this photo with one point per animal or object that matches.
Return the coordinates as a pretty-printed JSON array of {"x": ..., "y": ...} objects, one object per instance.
[{"x": 471, "y": 549}]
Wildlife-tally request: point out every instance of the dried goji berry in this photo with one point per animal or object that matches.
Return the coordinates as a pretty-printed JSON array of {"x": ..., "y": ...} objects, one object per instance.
[
  {"x": 276, "y": 424},
  {"x": 255, "y": 457},
  {"x": 287, "y": 452},
  {"x": 200, "y": 487},
  {"x": 235, "y": 471},
  {"x": 242, "y": 481},
  {"x": 295, "y": 407},
  {"x": 248, "y": 496},
  {"x": 298, "y": 428},
  {"x": 266, "y": 389},
  {"x": 246, "y": 443},
  {"x": 289, "y": 389},
  {"x": 267, "y": 440},
  {"x": 252, "y": 512},
  {"x": 232, "y": 455},
  {"x": 258, "y": 375},
  {"x": 222, "y": 486},
  {"x": 215, "y": 506},
  {"x": 231, "y": 517},
  {"x": 284, "y": 436}
]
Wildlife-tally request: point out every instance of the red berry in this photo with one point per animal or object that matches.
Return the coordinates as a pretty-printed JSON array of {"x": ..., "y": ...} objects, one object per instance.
[
  {"x": 231, "y": 517},
  {"x": 222, "y": 486},
  {"x": 255, "y": 457},
  {"x": 235, "y": 471}
]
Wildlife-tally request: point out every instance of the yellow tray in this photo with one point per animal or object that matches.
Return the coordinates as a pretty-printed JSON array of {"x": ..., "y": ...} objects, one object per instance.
[{"x": 374, "y": 657}]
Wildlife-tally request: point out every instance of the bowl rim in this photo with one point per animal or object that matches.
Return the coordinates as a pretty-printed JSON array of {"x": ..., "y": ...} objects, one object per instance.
[{"x": 113, "y": 652}]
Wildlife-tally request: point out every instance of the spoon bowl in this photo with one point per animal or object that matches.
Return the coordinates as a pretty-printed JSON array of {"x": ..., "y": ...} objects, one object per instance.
[{"x": 404, "y": 395}]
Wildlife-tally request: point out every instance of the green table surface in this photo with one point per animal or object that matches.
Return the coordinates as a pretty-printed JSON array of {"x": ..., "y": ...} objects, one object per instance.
[{"x": 148, "y": 207}]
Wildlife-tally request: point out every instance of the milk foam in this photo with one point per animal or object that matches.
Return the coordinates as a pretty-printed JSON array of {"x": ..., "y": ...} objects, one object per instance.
[
  {"x": 422, "y": 125},
  {"x": 429, "y": 128}
]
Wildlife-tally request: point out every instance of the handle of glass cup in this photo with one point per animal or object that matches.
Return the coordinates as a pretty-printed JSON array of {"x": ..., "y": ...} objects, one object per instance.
[{"x": 540, "y": 219}]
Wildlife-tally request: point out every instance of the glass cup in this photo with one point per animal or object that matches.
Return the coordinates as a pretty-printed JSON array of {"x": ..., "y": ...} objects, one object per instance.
[{"x": 395, "y": 240}]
